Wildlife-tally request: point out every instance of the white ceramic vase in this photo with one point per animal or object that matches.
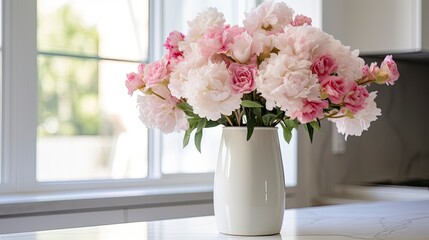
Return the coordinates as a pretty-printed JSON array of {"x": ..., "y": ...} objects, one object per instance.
[{"x": 249, "y": 190}]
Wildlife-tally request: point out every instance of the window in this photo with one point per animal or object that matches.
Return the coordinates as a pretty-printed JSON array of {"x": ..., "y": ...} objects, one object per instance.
[
  {"x": 1, "y": 84},
  {"x": 67, "y": 123},
  {"x": 87, "y": 128}
]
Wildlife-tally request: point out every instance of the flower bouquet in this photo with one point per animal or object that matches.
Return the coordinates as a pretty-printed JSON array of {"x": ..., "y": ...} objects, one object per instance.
[{"x": 275, "y": 69}]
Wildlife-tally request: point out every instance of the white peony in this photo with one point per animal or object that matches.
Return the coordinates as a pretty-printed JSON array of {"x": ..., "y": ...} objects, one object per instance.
[
  {"x": 179, "y": 76},
  {"x": 286, "y": 82},
  {"x": 361, "y": 120},
  {"x": 162, "y": 113},
  {"x": 262, "y": 44},
  {"x": 269, "y": 16},
  {"x": 198, "y": 27},
  {"x": 241, "y": 48},
  {"x": 208, "y": 91},
  {"x": 349, "y": 63},
  {"x": 301, "y": 42}
]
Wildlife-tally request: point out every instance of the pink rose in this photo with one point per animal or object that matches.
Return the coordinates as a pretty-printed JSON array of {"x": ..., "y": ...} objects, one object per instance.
[
  {"x": 310, "y": 111},
  {"x": 356, "y": 98},
  {"x": 389, "y": 66},
  {"x": 301, "y": 20},
  {"x": 335, "y": 87},
  {"x": 155, "y": 72},
  {"x": 135, "y": 80},
  {"x": 324, "y": 65},
  {"x": 242, "y": 77}
]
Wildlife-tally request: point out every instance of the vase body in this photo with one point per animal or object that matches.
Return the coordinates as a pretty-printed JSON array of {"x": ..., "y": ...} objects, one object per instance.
[{"x": 249, "y": 190}]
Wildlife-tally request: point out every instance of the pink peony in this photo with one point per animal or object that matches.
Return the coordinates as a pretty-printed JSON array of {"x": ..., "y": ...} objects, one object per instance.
[
  {"x": 389, "y": 66},
  {"x": 155, "y": 72},
  {"x": 301, "y": 20},
  {"x": 356, "y": 98},
  {"x": 219, "y": 39},
  {"x": 335, "y": 87},
  {"x": 172, "y": 45},
  {"x": 324, "y": 65},
  {"x": 173, "y": 40},
  {"x": 243, "y": 77},
  {"x": 135, "y": 80},
  {"x": 310, "y": 111}
]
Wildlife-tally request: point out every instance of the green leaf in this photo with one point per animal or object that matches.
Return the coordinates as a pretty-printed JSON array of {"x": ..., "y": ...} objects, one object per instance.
[
  {"x": 287, "y": 132},
  {"x": 187, "y": 136},
  {"x": 198, "y": 137},
  {"x": 251, "y": 104},
  {"x": 222, "y": 120},
  {"x": 250, "y": 125},
  {"x": 316, "y": 124},
  {"x": 291, "y": 123},
  {"x": 268, "y": 119},
  {"x": 310, "y": 131},
  {"x": 185, "y": 107},
  {"x": 211, "y": 124},
  {"x": 199, "y": 134},
  {"x": 201, "y": 124},
  {"x": 193, "y": 122}
]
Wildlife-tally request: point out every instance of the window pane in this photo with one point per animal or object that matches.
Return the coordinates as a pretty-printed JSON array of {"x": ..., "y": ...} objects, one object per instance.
[
  {"x": 1, "y": 84},
  {"x": 88, "y": 128},
  {"x": 110, "y": 29}
]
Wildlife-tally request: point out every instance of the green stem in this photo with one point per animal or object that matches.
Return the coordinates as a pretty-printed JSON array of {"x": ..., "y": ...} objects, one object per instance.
[
  {"x": 333, "y": 116},
  {"x": 156, "y": 94},
  {"x": 364, "y": 81},
  {"x": 237, "y": 117},
  {"x": 229, "y": 120}
]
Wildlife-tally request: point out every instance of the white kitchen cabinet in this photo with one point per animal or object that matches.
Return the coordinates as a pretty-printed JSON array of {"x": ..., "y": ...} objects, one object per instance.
[{"x": 378, "y": 26}]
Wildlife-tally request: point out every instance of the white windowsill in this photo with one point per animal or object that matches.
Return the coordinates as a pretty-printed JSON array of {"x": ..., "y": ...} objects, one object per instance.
[{"x": 12, "y": 205}]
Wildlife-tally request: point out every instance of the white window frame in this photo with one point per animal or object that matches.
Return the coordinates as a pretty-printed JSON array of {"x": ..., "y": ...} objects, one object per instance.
[{"x": 19, "y": 101}]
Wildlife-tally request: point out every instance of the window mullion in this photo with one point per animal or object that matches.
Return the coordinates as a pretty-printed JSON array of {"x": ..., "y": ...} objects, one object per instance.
[
  {"x": 155, "y": 154},
  {"x": 155, "y": 52},
  {"x": 20, "y": 93}
]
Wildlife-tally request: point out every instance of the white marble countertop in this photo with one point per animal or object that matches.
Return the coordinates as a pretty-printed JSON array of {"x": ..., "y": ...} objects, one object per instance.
[{"x": 381, "y": 220}]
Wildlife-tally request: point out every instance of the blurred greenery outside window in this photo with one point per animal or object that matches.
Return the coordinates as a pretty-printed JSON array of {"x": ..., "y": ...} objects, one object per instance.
[{"x": 88, "y": 128}]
